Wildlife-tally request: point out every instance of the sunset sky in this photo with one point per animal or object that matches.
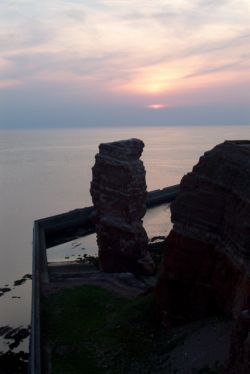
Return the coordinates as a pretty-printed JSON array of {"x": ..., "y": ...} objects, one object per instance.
[{"x": 124, "y": 62}]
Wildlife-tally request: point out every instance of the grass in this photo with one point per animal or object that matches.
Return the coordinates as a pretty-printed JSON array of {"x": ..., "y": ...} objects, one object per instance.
[
  {"x": 217, "y": 369},
  {"x": 92, "y": 330}
]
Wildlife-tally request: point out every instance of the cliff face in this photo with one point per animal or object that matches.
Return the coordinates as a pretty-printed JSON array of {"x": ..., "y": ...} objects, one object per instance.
[
  {"x": 207, "y": 254},
  {"x": 214, "y": 200},
  {"x": 239, "y": 362},
  {"x": 119, "y": 195}
]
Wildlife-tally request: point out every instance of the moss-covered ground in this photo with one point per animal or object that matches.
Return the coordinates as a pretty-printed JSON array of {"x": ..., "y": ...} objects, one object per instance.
[{"x": 91, "y": 330}]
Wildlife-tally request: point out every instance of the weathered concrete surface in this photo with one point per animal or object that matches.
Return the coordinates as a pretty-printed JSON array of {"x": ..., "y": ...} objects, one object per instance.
[
  {"x": 207, "y": 254},
  {"x": 119, "y": 195}
]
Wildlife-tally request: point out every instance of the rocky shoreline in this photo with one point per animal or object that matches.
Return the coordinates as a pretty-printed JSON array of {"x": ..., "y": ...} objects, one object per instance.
[{"x": 12, "y": 359}]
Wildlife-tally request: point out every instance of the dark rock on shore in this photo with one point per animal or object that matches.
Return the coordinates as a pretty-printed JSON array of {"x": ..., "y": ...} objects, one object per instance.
[
  {"x": 119, "y": 195},
  {"x": 17, "y": 335},
  {"x": 14, "y": 362},
  {"x": 11, "y": 362},
  {"x": 19, "y": 282},
  {"x": 4, "y": 290},
  {"x": 4, "y": 330}
]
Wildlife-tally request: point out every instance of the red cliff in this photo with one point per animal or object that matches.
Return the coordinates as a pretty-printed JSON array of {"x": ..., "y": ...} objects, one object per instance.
[
  {"x": 206, "y": 266},
  {"x": 207, "y": 256}
]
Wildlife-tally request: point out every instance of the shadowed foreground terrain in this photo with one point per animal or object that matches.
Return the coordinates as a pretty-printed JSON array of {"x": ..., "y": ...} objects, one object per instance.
[{"x": 92, "y": 330}]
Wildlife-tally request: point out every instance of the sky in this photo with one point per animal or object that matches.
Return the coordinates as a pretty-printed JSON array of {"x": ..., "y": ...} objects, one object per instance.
[{"x": 79, "y": 63}]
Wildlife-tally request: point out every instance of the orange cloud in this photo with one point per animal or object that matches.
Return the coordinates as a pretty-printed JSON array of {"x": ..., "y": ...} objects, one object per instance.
[{"x": 163, "y": 77}]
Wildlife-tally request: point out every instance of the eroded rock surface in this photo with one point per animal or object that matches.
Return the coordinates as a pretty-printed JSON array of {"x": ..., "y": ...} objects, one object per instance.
[
  {"x": 118, "y": 190},
  {"x": 207, "y": 254}
]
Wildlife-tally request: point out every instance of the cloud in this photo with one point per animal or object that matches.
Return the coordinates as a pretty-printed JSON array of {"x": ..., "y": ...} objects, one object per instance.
[
  {"x": 126, "y": 48},
  {"x": 9, "y": 83},
  {"x": 236, "y": 66},
  {"x": 4, "y": 65}
]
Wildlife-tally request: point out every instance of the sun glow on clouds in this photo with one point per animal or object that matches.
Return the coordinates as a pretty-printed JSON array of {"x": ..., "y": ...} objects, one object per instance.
[
  {"x": 152, "y": 51},
  {"x": 164, "y": 78},
  {"x": 152, "y": 80}
]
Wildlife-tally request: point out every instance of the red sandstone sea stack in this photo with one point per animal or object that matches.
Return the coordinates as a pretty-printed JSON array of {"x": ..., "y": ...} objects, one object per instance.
[{"x": 119, "y": 195}]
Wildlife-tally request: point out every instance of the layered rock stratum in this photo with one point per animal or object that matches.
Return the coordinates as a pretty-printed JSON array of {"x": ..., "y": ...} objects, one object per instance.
[
  {"x": 207, "y": 258},
  {"x": 206, "y": 266},
  {"x": 119, "y": 194}
]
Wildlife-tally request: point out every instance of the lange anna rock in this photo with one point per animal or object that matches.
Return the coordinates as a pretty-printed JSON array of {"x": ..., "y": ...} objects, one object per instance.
[{"x": 119, "y": 195}]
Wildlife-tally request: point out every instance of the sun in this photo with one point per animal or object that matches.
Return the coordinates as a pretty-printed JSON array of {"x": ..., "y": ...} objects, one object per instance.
[{"x": 156, "y": 106}]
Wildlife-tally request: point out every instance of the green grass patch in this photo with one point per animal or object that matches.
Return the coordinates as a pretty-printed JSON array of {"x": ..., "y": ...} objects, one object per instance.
[
  {"x": 92, "y": 330},
  {"x": 216, "y": 369}
]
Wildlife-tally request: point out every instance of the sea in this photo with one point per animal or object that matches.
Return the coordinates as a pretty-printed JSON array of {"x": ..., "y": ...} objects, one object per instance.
[{"x": 47, "y": 172}]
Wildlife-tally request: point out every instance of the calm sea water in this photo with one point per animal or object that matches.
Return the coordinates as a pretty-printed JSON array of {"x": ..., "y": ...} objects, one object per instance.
[{"x": 47, "y": 172}]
